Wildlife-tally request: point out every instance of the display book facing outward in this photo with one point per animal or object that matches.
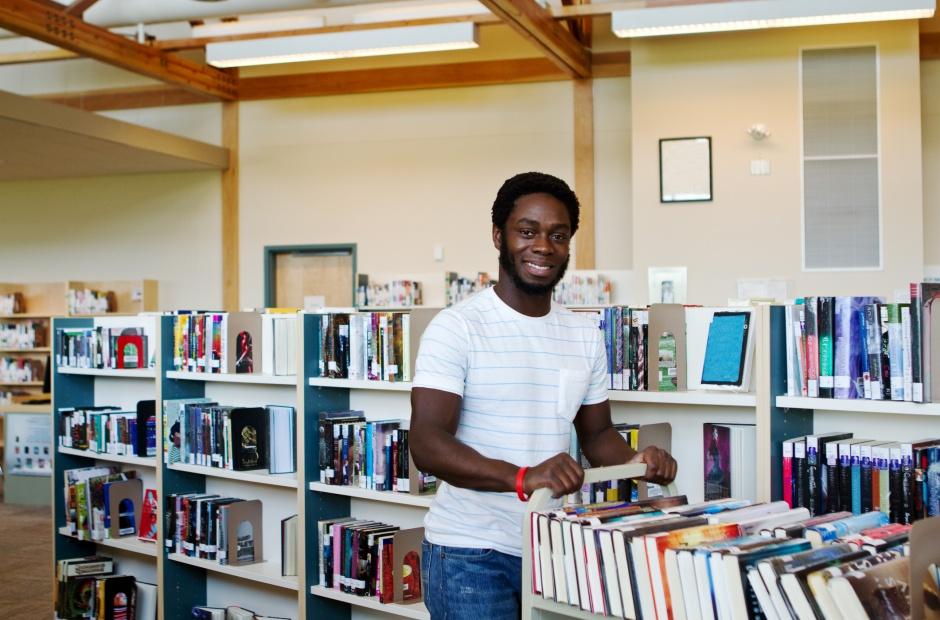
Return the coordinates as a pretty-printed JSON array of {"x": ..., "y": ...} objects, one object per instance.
[{"x": 727, "y": 559}]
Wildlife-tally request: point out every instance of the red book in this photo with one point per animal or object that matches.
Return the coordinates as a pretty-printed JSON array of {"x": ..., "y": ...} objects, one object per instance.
[
  {"x": 148, "y": 516},
  {"x": 788, "y": 473}
]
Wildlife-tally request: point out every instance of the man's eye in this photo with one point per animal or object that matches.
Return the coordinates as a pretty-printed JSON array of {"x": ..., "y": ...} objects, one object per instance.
[
  {"x": 559, "y": 237},
  {"x": 526, "y": 232}
]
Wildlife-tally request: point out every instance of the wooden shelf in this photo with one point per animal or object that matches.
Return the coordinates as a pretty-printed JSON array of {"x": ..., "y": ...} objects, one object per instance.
[
  {"x": 359, "y": 384},
  {"x": 263, "y": 572},
  {"x": 258, "y": 476},
  {"x": 858, "y": 405},
  {"x": 391, "y": 497},
  {"x": 31, "y": 350},
  {"x": 127, "y": 543},
  {"x": 140, "y": 461},
  {"x": 24, "y": 315},
  {"x": 697, "y": 397},
  {"x": 416, "y": 610},
  {"x": 568, "y": 611},
  {"x": 132, "y": 373},
  {"x": 26, "y": 408},
  {"x": 22, "y": 383},
  {"x": 253, "y": 379}
]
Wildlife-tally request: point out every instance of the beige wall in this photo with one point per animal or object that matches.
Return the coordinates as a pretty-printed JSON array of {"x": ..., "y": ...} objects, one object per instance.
[
  {"x": 395, "y": 173},
  {"x": 718, "y": 85},
  {"x": 162, "y": 226}
]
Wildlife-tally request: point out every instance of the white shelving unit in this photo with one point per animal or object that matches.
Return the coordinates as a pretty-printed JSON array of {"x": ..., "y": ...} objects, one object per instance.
[
  {"x": 359, "y": 384},
  {"x": 417, "y": 610},
  {"x": 262, "y": 572},
  {"x": 139, "y": 461},
  {"x": 391, "y": 497},
  {"x": 247, "y": 379},
  {"x": 259, "y": 476},
  {"x": 131, "y": 373},
  {"x": 127, "y": 543},
  {"x": 698, "y": 397},
  {"x": 890, "y": 407}
]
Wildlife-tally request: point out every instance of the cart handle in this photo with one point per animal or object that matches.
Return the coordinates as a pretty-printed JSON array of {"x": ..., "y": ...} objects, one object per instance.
[{"x": 541, "y": 497}]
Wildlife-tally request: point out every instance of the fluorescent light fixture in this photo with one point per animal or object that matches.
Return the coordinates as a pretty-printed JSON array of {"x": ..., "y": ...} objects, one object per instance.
[
  {"x": 757, "y": 14},
  {"x": 349, "y": 44}
]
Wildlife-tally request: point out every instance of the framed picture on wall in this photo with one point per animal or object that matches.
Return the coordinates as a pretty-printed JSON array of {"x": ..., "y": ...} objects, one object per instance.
[{"x": 685, "y": 169}]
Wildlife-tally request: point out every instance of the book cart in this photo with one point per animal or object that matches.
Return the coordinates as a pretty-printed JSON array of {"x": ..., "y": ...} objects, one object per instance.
[
  {"x": 190, "y": 581},
  {"x": 534, "y": 607},
  {"x": 82, "y": 387},
  {"x": 379, "y": 400}
]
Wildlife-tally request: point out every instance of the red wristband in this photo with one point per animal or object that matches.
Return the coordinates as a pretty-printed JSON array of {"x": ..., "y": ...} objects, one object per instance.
[{"x": 520, "y": 479}]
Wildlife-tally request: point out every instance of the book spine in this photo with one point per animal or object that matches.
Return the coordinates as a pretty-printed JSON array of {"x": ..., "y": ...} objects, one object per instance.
[
  {"x": 866, "y": 479},
  {"x": 826, "y": 320},
  {"x": 896, "y": 351},
  {"x": 873, "y": 346},
  {"x": 829, "y": 491},
  {"x": 845, "y": 482},
  {"x": 906, "y": 350},
  {"x": 917, "y": 363},
  {"x": 812, "y": 475},
  {"x": 895, "y": 487},
  {"x": 812, "y": 347},
  {"x": 883, "y": 312},
  {"x": 862, "y": 336},
  {"x": 907, "y": 484},
  {"x": 787, "y": 466},
  {"x": 845, "y": 349},
  {"x": 856, "y": 483},
  {"x": 799, "y": 473},
  {"x": 933, "y": 482}
]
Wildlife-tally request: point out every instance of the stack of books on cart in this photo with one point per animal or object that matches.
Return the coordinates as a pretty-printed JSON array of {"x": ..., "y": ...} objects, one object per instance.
[{"x": 666, "y": 559}]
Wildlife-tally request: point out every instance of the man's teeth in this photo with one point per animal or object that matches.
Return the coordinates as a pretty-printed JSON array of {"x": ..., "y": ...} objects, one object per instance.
[{"x": 539, "y": 267}]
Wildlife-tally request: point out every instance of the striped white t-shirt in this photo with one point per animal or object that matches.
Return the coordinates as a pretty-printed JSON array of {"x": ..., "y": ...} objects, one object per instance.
[{"x": 522, "y": 380}]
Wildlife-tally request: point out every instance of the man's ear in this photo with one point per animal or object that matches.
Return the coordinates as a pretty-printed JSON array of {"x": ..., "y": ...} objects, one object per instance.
[{"x": 497, "y": 236}]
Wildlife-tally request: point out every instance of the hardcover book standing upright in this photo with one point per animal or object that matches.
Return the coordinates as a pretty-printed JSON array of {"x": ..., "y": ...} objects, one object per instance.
[
  {"x": 716, "y": 448},
  {"x": 249, "y": 438},
  {"x": 668, "y": 319},
  {"x": 825, "y": 322}
]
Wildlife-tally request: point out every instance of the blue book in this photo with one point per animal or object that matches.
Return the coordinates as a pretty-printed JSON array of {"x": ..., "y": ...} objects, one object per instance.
[
  {"x": 827, "y": 532},
  {"x": 850, "y": 349},
  {"x": 370, "y": 469},
  {"x": 856, "y": 465}
]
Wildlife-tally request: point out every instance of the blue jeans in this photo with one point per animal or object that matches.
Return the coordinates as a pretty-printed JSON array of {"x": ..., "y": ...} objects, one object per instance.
[{"x": 470, "y": 584}]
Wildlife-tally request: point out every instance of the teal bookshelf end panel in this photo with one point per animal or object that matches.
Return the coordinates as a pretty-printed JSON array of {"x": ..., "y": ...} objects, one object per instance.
[
  {"x": 184, "y": 585},
  {"x": 784, "y": 423},
  {"x": 318, "y": 506},
  {"x": 68, "y": 391}
]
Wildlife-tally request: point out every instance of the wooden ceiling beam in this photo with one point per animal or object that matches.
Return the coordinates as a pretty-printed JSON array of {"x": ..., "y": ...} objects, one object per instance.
[
  {"x": 539, "y": 27},
  {"x": 16, "y": 58},
  {"x": 78, "y": 7},
  {"x": 614, "y": 64},
  {"x": 47, "y": 21}
]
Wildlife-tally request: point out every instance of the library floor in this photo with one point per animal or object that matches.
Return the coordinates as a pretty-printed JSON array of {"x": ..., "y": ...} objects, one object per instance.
[{"x": 26, "y": 566}]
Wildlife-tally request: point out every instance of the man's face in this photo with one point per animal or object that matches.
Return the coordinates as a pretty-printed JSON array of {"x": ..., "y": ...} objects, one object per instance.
[{"x": 534, "y": 243}]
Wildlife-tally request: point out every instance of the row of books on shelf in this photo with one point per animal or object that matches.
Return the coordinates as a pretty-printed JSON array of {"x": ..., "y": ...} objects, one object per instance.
[
  {"x": 230, "y": 342},
  {"x": 665, "y": 558},
  {"x": 103, "y": 502},
  {"x": 227, "y": 530},
  {"x": 12, "y": 303},
  {"x": 232, "y": 612},
  {"x": 91, "y": 301},
  {"x": 22, "y": 335},
  {"x": 109, "y": 430},
  {"x": 370, "y": 558},
  {"x": 368, "y": 454},
  {"x": 458, "y": 287},
  {"x": 834, "y": 471},
  {"x": 89, "y": 587},
  {"x": 21, "y": 369},
  {"x": 198, "y": 431},
  {"x": 105, "y": 347},
  {"x": 394, "y": 294},
  {"x": 862, "y": 347},
  {"x": 583, "y": 290},
  {"x": 647, "y": 348},
  {"x": 374, "y": 346}
]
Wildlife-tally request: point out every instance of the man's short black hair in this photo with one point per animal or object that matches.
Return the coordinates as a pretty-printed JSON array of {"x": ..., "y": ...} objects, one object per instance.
[{"x": 527, "y": 183}]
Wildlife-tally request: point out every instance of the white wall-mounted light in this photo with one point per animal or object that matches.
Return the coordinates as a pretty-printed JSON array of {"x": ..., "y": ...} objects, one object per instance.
[
  {"x": 757, "y": 14},
  {"x": 348, "y": 44}
]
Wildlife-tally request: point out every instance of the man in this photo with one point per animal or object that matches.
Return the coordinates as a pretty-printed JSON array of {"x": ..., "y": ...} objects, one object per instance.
[{"x": 500, "y": 378}]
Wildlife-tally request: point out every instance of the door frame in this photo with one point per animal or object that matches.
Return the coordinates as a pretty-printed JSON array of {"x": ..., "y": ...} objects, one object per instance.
[{"x": 271, "y": 252}]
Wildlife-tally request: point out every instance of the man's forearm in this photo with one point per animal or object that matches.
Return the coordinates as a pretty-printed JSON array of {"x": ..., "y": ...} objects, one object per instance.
[
  {"x": 439, "y": 453},
  {"x": 607, "y": 447}
]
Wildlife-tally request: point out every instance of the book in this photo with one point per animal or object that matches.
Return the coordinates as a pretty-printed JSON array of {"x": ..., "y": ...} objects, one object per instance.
[
  {"x": 281, "y": 439},
  {"x": 728, "y": 452},
  {"x": 289, "y": 545},
  {"x": 728, "y": 351},
  {"x": 146, "y": 601},
  {"x": 879, "y": 591},
  {"x": 249, "y": 438}
]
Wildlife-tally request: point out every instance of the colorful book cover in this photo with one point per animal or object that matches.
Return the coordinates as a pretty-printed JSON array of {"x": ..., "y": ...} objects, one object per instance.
[
  {"x": 148, "y": 516},
  {"x": 716, "y": 448},
  {"x": 812, "y": 347},
  {"x": 873, "y": 346},
  {"x": 788, "y": 472},
  {"x": 895, "y": 351},
  {"x": 849, "y": 346},
  {"x": 679, "y": 539},
  {"x": 883, "y": 589}
]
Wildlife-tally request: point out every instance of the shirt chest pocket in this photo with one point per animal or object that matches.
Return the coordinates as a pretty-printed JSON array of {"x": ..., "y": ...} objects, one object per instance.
[{"x": 572, "y": 388}]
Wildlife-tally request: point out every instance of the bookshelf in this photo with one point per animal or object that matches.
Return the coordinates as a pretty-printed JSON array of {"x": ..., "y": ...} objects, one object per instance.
[
  {"x": 189, "y": 581},
  {"x": 379, "y": 400},
  {"x": 792, "y": 416},
  {"x": 69, "y": 389}
]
